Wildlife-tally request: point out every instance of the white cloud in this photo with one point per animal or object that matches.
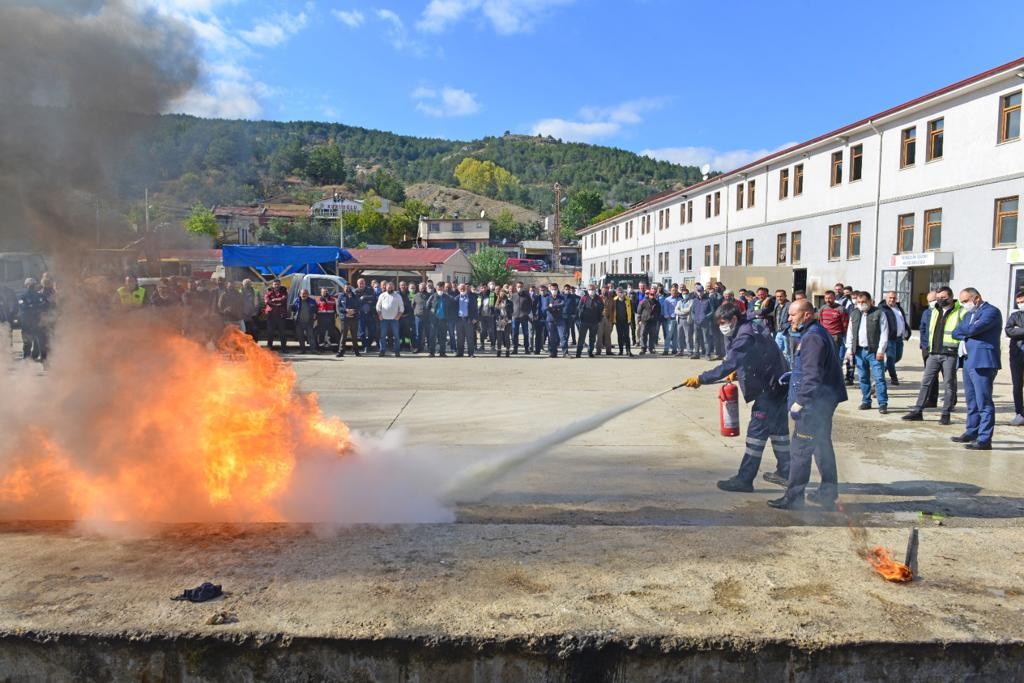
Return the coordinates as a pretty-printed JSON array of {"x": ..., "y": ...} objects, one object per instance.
[
  {"x": 397, "y": 34},
  {"x": 275, "y": 30},
  {"x": 223, "y": 99},
  {"x": 576, "y": 131},
  {"x": 351, "y": 18},
  {"x": 506, "y": 17},
  {"x": 719, "y": 160},
  {"x": 598, "y": 122},
  {"x": 445, "y": 102}
]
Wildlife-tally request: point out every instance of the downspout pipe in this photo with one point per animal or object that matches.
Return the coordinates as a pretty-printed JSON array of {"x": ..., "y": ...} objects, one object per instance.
[{"x": 878, "y": 205}]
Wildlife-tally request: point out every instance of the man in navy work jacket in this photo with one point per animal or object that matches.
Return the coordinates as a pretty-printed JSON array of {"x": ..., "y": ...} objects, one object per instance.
[
  {"x": 815, "y": 389},
  {"x": 751, "y": 353},
  {"x": 980, "y": 331}
]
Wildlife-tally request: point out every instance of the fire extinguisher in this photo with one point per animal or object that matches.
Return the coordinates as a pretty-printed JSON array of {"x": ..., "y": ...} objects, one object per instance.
[{"x": 729, "y": 409}]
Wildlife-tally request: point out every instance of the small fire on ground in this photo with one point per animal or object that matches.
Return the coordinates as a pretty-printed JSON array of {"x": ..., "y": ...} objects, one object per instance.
[
  {"x": 891, "y": 570},
  {"x": 148, "y": 425}
]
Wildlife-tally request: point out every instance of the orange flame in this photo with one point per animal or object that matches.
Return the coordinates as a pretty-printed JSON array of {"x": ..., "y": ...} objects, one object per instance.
[
  {"x": 152, "y": 426},
  {"x": 891, "y": 570}
]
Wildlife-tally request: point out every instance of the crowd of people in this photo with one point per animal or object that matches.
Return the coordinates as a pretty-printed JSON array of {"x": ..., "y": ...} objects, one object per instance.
[{"x": 790, "y": 359}]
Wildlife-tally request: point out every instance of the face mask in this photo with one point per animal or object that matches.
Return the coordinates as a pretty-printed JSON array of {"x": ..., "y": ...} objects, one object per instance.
[
  {"x": 863, "y": 308},
  {"x": 941, "y": 303},
  {"x": 1020, "y": 305},
  {"x": 968, "y": 306},
  {"x": 591, "y": 292},
  {"x": 726, "y": 330}
]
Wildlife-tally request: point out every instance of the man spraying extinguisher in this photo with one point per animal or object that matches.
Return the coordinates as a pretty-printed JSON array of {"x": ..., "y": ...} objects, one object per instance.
[{"x": 753, "y": 356}]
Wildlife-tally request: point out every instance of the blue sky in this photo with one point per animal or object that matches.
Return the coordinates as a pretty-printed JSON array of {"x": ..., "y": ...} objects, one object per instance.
[{"x": 718, "y": 83}]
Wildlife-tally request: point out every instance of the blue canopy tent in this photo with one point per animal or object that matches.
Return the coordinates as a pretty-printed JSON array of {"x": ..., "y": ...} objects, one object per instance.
[{"x": 279, "y": 260}]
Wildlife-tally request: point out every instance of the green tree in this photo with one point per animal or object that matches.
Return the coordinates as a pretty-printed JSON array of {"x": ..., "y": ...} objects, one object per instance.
[
  {"x": 581, "y": 208},
  {"x": 489, "y": 264},
  {"x": 366, "y": 225},
  {"x": 608, "y": 213},
  {"x": 400, "y": 227},
  {"x": 325, "y": 165},
  {"x": 300, "y": 232},
  {"x": 387, "y": 186},
  {"x": 201, "y": 221},
  {"x": 504, "y": 226}
]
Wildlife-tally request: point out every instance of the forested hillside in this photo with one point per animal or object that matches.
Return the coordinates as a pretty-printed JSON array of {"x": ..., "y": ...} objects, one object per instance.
[{"x": 217, "y": 161}]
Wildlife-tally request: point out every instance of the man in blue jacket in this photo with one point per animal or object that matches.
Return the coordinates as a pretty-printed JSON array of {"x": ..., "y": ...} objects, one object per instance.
[
  {"x": 752, "y": 355},
  {"x": 816, "y": 388},
  {"x": 553, "y": 307},
  {"x": 701, "y": 313},
  {"x": 980, "y": 331}
]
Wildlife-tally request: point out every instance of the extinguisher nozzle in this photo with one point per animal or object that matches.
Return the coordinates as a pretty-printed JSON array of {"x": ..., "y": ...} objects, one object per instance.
[{"x": 678, "y": 386}]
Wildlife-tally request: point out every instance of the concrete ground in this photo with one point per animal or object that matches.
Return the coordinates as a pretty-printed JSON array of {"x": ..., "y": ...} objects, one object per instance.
[{"x": 616, "y": 539}]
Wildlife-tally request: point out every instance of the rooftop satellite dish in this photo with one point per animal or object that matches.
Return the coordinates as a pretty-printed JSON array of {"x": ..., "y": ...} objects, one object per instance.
[
  {"x": 705, "y": 169},
  {"x": 483, "y": 212}
]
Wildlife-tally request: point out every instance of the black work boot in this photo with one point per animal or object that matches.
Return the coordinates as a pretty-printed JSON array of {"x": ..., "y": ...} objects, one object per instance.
[{"x": 735, "y": 484}]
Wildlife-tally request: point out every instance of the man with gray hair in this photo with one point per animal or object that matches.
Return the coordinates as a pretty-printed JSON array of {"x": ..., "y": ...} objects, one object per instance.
[{"x": 980, "y": 330}]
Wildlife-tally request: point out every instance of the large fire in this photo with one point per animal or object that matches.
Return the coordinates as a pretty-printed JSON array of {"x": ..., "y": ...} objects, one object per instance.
[{"x": 145, "y": 425}]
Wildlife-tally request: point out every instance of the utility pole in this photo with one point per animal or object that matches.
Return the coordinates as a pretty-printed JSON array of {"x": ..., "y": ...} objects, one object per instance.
[
  {"x": 147, "y": 211},
  {"x": 341, "y": 228},
  {"x": 556, "y": 238}
]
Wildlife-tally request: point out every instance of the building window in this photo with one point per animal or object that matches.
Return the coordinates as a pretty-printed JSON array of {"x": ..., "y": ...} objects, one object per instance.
[
  {"x": 935, "y": 129},
  {"x": 739, "y": 252},
  {"x": 682, "y": 259},
  {"x": 682, "y": 214},
  {"x": 905, "y": 236},
  {"x": 716, "y": 254},
  {"x": 615, "y": 265},
  {"x": 750, "y": 252},
  {"x": 794, "y": 247},
  {"x": 707, "y": 206},
  {"x": 933, "y": 230},
  {"x": 856, "y": 162},
  {"x": 739, "y": 196},
  {"x": 750, "y": 193},
  {"x": 456, "y": 227},
  {"x": 798, "y": 180},
  {"x": 783, "y": 183},
  {"x": 780, "y": 248},
  {"x": 1009, "y": 116},
  {"x": 593, "y": 270},
  {"x": 853, "y": 240},
  {"x": 835, "y": 242},
  {"x": 837, "y": 168},
  {"x": 629, "y": 264},
  {"x": 434, "y": 227},
  {"x": 689, "y": 259},
  {"x": 718, "y": 203},
  {"x": 689, "y": 211},
  {"x": 707, "y": 254},
  {"x": 908, "y": 146},
  {"x": 1006, "y": 220}
]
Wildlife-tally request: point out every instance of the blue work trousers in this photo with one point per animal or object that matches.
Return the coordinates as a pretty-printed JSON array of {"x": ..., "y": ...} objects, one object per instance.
[{"x": 768, "y": 420}]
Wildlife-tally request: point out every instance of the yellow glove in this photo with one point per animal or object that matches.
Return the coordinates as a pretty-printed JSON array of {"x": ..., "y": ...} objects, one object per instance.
[
  {"x": 731, "y": 377},
  {"x": 691, "y": 382}
]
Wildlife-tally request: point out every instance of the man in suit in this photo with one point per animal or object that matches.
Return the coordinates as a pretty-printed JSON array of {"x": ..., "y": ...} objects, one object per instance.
[{"x": 980, "y": 332}]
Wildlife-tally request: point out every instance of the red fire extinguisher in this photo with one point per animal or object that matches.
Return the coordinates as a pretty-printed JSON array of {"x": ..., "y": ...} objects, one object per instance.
[{"x": 729, "y": 409}]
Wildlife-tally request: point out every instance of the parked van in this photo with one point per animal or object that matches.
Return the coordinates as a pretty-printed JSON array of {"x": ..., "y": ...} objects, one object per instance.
[{"x": 526, "y": 264}]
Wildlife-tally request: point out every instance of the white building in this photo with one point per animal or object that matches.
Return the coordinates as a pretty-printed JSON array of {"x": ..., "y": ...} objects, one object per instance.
[
  {"x": 925, "y": 193},
  {"x": 470, "y": 235}
]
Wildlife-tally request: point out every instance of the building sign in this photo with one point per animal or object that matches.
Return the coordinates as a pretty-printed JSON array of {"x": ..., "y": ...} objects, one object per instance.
[
  {"x": 927, "y": 258},
  {"x": 1015, "y": 255}
]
